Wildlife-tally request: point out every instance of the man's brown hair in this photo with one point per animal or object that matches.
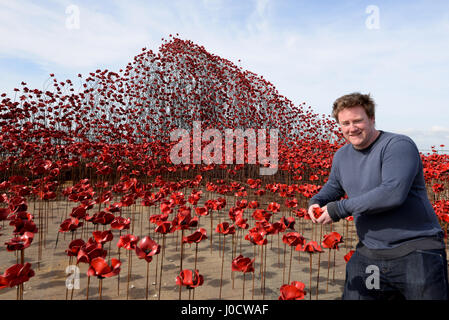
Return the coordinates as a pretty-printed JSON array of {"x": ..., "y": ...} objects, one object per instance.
[{"x": 353, "y": 100}]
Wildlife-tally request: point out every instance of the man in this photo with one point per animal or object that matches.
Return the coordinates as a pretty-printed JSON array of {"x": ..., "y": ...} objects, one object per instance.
[{"x": 401, "y": 240}]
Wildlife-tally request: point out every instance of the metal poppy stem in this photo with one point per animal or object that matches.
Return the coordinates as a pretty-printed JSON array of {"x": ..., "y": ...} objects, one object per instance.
[
  {"x": 129, "y": 272},
  {"x": 264, "y": 273},
  {"x": 100, "y": 286},
  {"x": 87, "y": 289},
  {"x": 196, "y": 254},
  {"x": 162, "y": 263},
  {"x": 222, "y": 263},
  {"x": 328, "y": 269},
  {"x": 290, "y": 266},
  {"x": 318, "y": 275},
  {"x": 146, "y": 288},
  {"x": 180, "y": 264},
  {"x": 283, "y": 269},
  {"x": 310, "y": 276},
  {"x": 243, "y": 292},
  {"x": 333, "y": 271}
]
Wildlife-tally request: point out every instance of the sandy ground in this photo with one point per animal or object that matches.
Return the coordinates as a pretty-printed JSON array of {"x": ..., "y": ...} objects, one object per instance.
[{"x": 49, "y": 281}]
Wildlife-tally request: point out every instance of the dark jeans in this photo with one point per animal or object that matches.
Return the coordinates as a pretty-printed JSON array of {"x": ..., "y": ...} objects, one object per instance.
[{"x": 420, "y": 275}]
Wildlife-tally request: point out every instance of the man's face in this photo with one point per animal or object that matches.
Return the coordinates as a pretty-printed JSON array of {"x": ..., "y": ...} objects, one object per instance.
[{"x": 357, "y": 127}]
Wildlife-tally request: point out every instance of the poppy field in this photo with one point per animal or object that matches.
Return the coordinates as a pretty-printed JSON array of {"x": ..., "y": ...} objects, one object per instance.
[{"x": 93, "y": 207}]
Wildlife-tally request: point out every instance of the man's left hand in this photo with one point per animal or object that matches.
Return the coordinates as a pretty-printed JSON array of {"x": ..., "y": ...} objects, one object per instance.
[{"x": 324, "y": 218}]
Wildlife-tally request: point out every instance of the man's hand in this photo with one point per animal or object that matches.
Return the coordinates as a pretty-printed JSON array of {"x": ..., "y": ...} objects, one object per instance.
[
  {"x": 324, "y": 218},
  {"x": 310, "y": 212}
]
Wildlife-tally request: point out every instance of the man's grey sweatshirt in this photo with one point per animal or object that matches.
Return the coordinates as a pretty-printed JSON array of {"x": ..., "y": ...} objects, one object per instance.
[{"x": 386, "y": 195}]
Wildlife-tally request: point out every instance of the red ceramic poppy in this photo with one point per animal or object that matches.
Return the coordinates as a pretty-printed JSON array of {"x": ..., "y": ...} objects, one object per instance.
[
  {"x": 293, "y": 291},
  {"x": 129, "y": 242},
  {"x": 288, "y": 222},
  {"x": 242, "y": 264},
  {"x": 90, "y": 251},
  {"x": 310, "y": 247},
  {"x": 184, "y": 220},
  {"x": 317, "y": 212},
  {"x": 253, "y": 205},
  {"x": 332, "y": 240},
  {"x": 20, "y": 243},
  {"x": 164, "y": 227},
  {"x": 70, "y": 224},
  {"x": 261, "y": 214},
  {"x": 348, "y": 256},
  {"x": 190, "y": 279},
  {"x": 147, "y": 248},
  {"x": 23, "y": 225},
  {"x": 274, "y": 207},
  {"x": 102, "y": 237},
  {"x": 196, "y": 237},
  {"x": 120, "y": 223},
  {"x": 293, "y": 239},
  {"x": 17, "y": 274},
  {"x": 100, "y": 268},
  {"x": 225, "y": 228},
  {"x": 256, "y": 237},
  {"x": 202, "y": 211},
  {"x": 74, "y": 247}
]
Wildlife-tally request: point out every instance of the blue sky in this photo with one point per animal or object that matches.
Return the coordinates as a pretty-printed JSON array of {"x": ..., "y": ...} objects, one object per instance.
[{"x": 312, "y": 51}]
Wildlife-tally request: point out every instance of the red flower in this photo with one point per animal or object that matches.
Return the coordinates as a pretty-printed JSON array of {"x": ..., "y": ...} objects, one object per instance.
[
  {"x": 293, "y": 239},
  {"x": 147, "y": 248},
  {"x": 20, "y": 243},
  {"x": 253, "y": 205},
  {"x": 261, "y": 214},
  {"x": 164, "y": 227},
  {"x": 241, "y": 223},
  {"x": 184, "y": 220},
  {"x": 99, "y": 267},
  {"x": 242, "y": 264},
  {"x": 310, "y": 247},
  {"x": 300, "y": 212},
  {"x": 274, "y": 207},
  {"x": 225, "y": 228},
  {"x": 256, "y": 237},
  {"x": 197, "y": 236},
  {"x": 120, "y": 223},
  {"x": 348, "y": 256},
  {"x": 102, "y": 237},
  {"x": 23, "y": 225},
  {"x": 289, "y": 222},
  {"x": 317, "y": 212},
  {"x": 332, "y": 240},
  {"x": 129, "y": 242},
  {"x": 293, "y": 291},
  {"x": 202, "y": 211},
  {"x": 291, "y": 203},
  {"x": 16, "y": 274},
  {"x": 90, "y": 251},
  {"x": 102, "y": 217},
  {"x": 70, "y": 224},
  {"x": 189, "y": 279},
  {"x": 74, "y": 247}
]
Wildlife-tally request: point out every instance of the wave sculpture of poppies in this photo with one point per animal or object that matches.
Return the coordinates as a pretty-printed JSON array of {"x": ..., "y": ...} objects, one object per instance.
[{"x": 86, "y": 173}]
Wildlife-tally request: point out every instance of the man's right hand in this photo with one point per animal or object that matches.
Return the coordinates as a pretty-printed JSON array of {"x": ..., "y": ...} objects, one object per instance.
[{"x": 310, "y": 212}]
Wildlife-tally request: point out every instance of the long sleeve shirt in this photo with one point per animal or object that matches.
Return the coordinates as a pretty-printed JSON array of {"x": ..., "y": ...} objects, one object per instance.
[{"x": 386, "y": 196}]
